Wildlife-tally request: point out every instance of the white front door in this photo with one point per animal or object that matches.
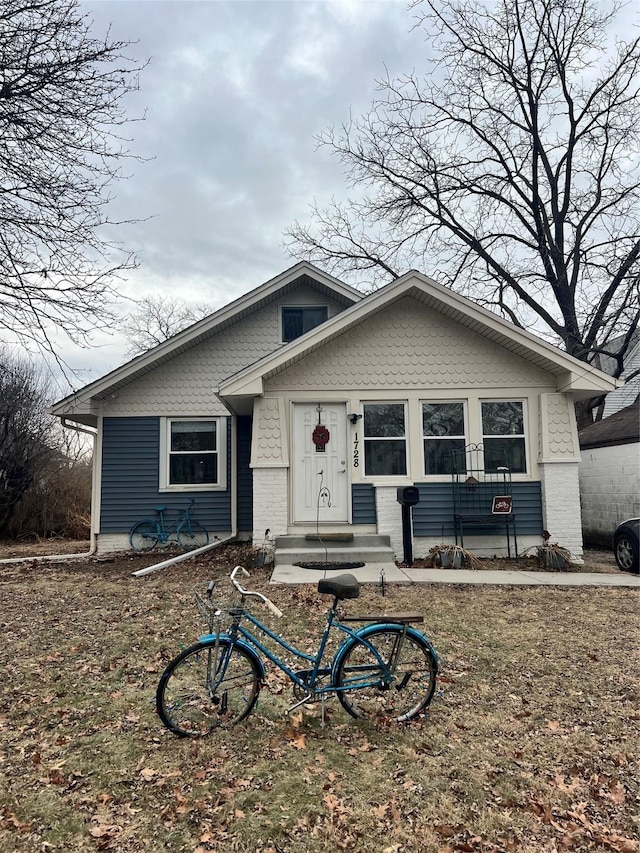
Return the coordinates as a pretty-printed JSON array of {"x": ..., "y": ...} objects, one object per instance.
[{"x": 320, "y": 477}]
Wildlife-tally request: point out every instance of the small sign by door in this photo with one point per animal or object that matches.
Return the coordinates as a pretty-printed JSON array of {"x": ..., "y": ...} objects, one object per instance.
[{"x": 502, "y": 504}]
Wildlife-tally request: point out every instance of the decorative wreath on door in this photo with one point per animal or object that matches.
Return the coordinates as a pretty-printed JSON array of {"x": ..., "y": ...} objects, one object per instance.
[{"x": 320, "y": 436}]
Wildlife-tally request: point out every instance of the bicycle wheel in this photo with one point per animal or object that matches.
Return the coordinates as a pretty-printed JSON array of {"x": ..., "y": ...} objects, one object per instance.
[
  {"x": 192, "y": 535},
  {"x": 400, "y": 688},
  {"x": 206, "y": 687},
  {"x": 144, "y": 535}
]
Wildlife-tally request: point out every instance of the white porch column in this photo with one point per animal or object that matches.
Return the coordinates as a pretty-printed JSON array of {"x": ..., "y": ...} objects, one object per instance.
[
  {"x": 270, "y": 464},
  {"x": 270, "y": 502},
  {"x": 561, "y": 505},
  {"x": 389, "y": 513},
  {"x": 558, "y": 461}
]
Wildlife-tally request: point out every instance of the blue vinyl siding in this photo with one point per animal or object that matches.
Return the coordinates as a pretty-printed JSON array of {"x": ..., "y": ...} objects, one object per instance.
[
  {"x": 433, "y": 515},
  {"x": 245, "y": 475},
  {"x": 363, "y": 503},
  {"x": 130, "y": 471}
]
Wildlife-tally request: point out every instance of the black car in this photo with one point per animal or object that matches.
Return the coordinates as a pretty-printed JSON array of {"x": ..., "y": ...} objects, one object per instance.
[{"x": 625, "y": 545}]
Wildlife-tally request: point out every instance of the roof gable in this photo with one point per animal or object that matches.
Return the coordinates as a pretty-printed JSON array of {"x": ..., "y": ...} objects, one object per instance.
[
  {"x": 301, "y": 274},
  {"x": 399, "y": 347},
  {"x": 570, "y": 374}
]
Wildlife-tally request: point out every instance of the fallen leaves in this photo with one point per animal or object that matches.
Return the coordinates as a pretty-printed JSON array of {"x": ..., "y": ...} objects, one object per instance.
[
  {"x": 578, "y": 830},
  {"x": 530, "y": 731}
]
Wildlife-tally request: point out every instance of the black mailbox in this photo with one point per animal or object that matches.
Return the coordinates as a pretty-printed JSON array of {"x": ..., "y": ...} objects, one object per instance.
[{"x": 408, "y": 495}]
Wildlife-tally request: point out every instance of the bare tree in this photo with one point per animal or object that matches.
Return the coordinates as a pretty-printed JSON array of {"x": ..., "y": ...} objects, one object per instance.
[
  {"x": 45, "y": 470},
  {"x": 25, "y": 432},
  {"x": 62, "y": 108},
  {"x": 158, "y": 318},
  {"x": 511, "y": 170}
]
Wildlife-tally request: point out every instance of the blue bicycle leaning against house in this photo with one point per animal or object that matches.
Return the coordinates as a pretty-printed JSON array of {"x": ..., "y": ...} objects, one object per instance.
[
  {"x": 189, "y": 534},
  {"x": 385, "y": 669}
]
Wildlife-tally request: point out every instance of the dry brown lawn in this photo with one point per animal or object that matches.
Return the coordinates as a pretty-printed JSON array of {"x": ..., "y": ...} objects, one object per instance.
[{"x": 530, "y": 743}]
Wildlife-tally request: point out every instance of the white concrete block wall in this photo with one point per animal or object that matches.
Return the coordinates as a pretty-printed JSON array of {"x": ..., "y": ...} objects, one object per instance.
[
  {"x": 270, "y": 502},
  {"x": 389, "y": 514},
  {"x": 107, "y": 543},
  {"x": 561, "y": 505},
  {"x": 480, "y": 546},
  {"x": 609, "y": 489}
]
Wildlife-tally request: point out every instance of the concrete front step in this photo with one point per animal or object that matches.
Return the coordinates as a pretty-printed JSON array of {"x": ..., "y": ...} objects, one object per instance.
[
  {"x": 363, "y": 549},
  {"x": 359, "y": 540}
]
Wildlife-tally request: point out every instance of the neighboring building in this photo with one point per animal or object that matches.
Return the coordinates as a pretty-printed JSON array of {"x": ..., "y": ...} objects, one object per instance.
[
  {"x": 305, "y": 385},
  {"x": 627, "y": 393},
  {"x": 610, "y": 474}
]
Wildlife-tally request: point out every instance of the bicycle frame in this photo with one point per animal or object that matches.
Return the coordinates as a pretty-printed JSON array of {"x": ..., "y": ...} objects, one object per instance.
[
  {"x": 238, "y": 630},
  {"x": 166, "y": 531}
]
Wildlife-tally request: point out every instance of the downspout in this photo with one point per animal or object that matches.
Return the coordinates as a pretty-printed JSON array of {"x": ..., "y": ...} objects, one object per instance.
[
  {"x": 170, "y": 562},
  {"x": 92, "y": 538}
]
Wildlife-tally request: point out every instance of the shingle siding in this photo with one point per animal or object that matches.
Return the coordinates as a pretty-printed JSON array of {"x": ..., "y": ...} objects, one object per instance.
[
  {"x": 188, "y": 382},
  {"x": 130, "y": 461}
]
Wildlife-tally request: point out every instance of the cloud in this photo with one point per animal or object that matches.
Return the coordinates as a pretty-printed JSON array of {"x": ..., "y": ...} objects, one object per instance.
[{"x": 235, "y": 95}]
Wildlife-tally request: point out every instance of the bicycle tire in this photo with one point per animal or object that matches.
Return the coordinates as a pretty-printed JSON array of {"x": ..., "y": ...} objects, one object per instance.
[
  {"x": 411, "y": 680},
  {"x": 144, "y": 535},
  {"x": 208, "y": 686},
  {"x": 192, "y": 536}
]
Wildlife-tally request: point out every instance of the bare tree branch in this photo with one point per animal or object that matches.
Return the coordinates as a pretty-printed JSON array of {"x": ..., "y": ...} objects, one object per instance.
[
  {"x": 157, "y": 318},
  {"x": 62, "y": 110},
  {"x": 512, "y": 165}
]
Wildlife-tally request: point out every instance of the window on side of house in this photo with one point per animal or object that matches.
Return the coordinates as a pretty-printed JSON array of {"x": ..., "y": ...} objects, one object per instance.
[
  {"x": 503, "y": 435},
  {"x": 385, "y": 439},
  {"x": 443, "y": 433},
  {"x": 193, "y": 454},
  {"x": 297, "y": 321}
]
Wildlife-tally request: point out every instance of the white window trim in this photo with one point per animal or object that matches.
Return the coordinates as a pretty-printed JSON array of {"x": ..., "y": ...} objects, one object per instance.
[
  {"x": 520, "y": 475},
  {"x": 386, "y": 479},
  {"x": 221, "y": 435},
  {"x": 302, "y": 307},
  {"x": 437, "y": 478}
]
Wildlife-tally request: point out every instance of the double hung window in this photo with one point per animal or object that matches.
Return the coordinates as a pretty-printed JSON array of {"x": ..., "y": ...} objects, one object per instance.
[
  {"x": 385, "y": 439},
  {"x": 503, "y": 436},
  {"x": 192, "y": 453},
  {"x": 443, "y": 433}
]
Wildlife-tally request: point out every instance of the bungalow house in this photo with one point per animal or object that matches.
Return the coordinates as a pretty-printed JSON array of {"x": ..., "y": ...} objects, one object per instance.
[{"x": 304, "y": 406}]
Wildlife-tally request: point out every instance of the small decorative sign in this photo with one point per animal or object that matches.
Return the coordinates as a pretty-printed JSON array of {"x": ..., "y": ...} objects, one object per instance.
[{"x": 502, "y": 504}]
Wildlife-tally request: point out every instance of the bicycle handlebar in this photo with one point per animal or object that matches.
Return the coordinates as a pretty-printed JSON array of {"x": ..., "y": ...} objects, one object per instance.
[{"x": 263, "y": 598}]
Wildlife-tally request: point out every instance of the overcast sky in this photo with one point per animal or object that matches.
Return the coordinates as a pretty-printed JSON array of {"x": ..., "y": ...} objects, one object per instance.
[{"x": 235, "y": 93}]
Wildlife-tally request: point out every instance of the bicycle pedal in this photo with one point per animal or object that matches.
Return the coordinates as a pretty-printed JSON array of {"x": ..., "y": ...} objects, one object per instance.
[{"x": 307, "y": 699}]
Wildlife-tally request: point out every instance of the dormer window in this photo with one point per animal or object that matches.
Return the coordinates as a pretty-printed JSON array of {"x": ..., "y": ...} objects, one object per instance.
[{"x": 297, "y": 321}]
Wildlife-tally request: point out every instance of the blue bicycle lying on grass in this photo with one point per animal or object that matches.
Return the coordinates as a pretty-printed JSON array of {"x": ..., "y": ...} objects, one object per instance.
[{"x": 385, "y": 669}]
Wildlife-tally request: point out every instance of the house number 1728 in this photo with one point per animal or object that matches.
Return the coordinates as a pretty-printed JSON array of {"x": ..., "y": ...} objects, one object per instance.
[{"x": 356, "y": 451}]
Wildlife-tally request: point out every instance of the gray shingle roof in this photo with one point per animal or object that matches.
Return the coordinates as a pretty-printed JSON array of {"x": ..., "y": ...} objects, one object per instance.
[{"x": 621, "y": 428}]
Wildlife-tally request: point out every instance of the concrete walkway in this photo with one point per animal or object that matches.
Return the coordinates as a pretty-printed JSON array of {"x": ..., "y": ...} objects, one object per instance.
[{"x": 371, "y": 573}]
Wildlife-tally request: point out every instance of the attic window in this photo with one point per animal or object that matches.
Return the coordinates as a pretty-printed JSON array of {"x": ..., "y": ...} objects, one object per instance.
[{"x": 297, "y": 321}]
